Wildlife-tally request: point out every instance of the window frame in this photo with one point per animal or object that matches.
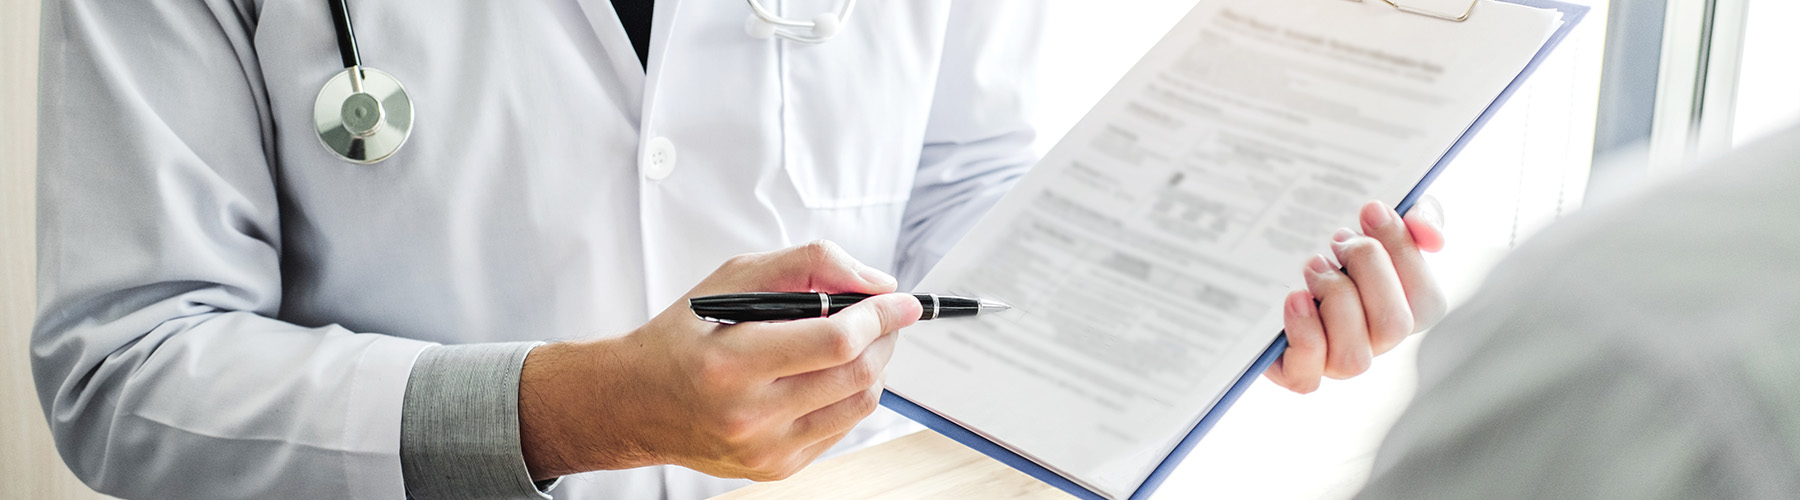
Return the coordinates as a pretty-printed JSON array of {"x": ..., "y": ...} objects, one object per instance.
[{"x": 1668, "y": 88}]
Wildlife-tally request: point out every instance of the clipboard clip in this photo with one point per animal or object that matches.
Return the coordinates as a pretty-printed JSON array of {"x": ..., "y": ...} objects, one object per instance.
[{"x": 1432, "y": 13}]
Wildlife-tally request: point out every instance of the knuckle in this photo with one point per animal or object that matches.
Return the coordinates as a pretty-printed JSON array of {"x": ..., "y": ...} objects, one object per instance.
[
  {"x": 737, "y": 429},
  {"x": 1333, "y": 287},
  {"x": 763, "y": 465},
  {"x": 1299, "y": 385},
  {"x": 861, "y": 374},
  {"x": 761, "y": 477},
  {"x": 839, "y": 345},
  {"x": 819, "y": 252},
  {"x": 1360, "y": 250},
  {"x": 719, "y": 369},
  {"x": 776, "y": 475},
  {"x": 865, "y": 403},
  {"x": 1391, "y": 326},
  {"x": 784, "y": 469},
  {"x": 1350, "y": 365},
  {"x": 1304, "y": 338}
]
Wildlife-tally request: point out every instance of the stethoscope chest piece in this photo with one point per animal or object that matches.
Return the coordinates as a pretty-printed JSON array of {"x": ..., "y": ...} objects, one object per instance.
[{"x": 363, "y": 120}]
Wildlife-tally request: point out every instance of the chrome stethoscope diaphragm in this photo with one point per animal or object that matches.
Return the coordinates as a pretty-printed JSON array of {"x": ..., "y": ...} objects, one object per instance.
[
  {"x": 763, "y": 23},
  {"x": 362, "y": 114}
]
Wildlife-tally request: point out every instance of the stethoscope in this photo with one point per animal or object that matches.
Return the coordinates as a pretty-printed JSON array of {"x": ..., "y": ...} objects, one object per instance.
[{"x": 363, "y": 114}]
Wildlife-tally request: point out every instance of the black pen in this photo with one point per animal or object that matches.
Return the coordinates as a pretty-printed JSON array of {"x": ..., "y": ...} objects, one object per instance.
[{"x": 777, "y": 306}]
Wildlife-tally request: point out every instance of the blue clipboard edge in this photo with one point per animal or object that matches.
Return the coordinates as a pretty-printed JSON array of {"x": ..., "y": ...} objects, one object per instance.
[
  {"x": 935, "y": 422},
  {"x": 1572, "y": 16}
]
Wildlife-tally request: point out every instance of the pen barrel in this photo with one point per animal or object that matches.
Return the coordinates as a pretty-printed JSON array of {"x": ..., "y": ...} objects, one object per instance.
[
  {"x": 939, "y": 306},
  {"x": 780, "y": 306},
  {"x": 767, "y": 306}
]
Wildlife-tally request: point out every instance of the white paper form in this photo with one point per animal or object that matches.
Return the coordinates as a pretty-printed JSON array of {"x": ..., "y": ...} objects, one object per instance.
[{"x": 1148, "y": 253}]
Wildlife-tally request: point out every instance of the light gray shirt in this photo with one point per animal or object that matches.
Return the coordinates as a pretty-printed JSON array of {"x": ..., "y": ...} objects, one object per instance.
[{"x": 1648, "y": 348}]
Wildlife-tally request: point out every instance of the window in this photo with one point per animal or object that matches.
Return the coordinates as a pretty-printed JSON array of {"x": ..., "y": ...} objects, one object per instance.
[{"x": 1768, "y": 86}]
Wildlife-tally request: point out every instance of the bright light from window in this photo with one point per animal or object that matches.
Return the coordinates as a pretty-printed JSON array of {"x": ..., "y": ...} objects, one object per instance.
[{"x": 1768, "y": 98}]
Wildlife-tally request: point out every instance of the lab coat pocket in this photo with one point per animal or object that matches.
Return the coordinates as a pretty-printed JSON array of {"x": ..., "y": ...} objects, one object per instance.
[
  {"x": 850, "y": 182},
  {"x": 837, "y": 163},
  {"x": 854, "y": 108}
]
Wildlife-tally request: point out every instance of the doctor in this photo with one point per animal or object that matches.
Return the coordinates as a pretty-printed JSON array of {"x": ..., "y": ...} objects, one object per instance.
[{"x": 235, "y": 306}]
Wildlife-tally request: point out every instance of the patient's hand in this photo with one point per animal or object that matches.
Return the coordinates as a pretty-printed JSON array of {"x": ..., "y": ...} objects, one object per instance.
[{"x": 1387, "y": 294}]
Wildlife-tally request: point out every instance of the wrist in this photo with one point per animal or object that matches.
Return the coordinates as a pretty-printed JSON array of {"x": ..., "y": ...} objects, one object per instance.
[{"x": 570, "y": 399}]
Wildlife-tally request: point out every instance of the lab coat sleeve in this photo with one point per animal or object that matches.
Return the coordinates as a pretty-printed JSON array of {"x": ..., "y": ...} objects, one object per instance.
[
  {"x": 978, "y": 140},
  {"x": 156, "y": 358}
]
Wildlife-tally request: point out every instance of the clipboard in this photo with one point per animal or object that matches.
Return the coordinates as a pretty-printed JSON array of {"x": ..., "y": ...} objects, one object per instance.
[{"x": 1572, "y": 16}]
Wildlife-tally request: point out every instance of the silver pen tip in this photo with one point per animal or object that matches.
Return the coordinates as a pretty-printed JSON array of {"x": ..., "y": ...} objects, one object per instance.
[{"x": 993, "y": 306}]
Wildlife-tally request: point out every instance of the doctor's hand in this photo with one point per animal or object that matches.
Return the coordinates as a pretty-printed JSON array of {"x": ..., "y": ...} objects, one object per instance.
[
  {"x": 752, "y": 400},
  {"x": 1385, "y": 292}
]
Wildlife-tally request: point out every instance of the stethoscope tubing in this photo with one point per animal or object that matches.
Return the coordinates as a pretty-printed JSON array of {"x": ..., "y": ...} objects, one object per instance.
[
  {"x": 347, "y": 125},
  {"x": 346, "y": 35}
]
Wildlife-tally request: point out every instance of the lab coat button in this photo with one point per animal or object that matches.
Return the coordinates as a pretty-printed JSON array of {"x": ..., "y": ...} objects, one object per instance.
[{"x": 659, "y": 158}]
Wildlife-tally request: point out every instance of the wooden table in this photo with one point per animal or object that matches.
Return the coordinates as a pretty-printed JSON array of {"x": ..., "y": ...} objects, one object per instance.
[{"x": 921, "y": 465}]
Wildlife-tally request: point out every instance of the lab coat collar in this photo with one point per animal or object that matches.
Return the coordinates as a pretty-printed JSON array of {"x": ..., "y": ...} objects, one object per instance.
[
  {"x": 619, "y": 51},
  {"x": 662, "y": 29},
  {"x": 639, "y": 78}
]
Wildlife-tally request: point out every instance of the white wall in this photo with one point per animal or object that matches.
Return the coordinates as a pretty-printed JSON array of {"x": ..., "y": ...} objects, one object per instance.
[{"x": 29, "y": 467}]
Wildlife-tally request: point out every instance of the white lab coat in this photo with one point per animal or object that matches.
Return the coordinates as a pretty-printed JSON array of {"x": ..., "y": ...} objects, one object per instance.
[{"x": 226, "y": 310}]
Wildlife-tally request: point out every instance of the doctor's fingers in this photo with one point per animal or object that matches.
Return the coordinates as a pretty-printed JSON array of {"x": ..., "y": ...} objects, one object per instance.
[
  {"x": 1404, "y": 239},
  {"x": 1347, "y": 351},
  {"x": 796, "y": 347},
  {"x": 793, "y": 462},
  {"x": 1384, "y": 303},
  {"x": 816, "y": 389},
  {"x": 820, "y": 266},
  {"x": 1300, "y": 367},
  {"x": 826, "y": 425}
]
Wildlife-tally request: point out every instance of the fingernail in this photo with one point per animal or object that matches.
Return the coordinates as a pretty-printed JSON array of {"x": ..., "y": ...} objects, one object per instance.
[
  {"x": 1297, "y": 305},
  {"x": 1377, "y": 216},
  {"x": 1318, "y": 265},
  {"x": 1343, "y": 234},
  {"x": 875, "y": 276},
  {"x": 1435, "y": 214}
]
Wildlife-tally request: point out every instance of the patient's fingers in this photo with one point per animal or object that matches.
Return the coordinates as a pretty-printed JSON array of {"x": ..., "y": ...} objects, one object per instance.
[
  {"x": 1303, "y": 363},
  {"x": 1404, "y": 240},
  {"x": 1347, "y": 351},
  {"x": 1384, "y": 300}
]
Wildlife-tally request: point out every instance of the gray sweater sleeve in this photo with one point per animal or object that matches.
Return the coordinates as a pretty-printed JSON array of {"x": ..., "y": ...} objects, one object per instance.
[{"x": 459, "y": 424}]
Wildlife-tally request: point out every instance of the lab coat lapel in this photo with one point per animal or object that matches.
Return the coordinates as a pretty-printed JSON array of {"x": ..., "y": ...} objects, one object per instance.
[
  {"x": 662, "y": 27},
  {"x": 619, "y": 52}
]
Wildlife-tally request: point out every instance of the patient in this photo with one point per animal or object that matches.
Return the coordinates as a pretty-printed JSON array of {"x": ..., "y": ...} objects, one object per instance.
[{"x": 1648, "y": 348}]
